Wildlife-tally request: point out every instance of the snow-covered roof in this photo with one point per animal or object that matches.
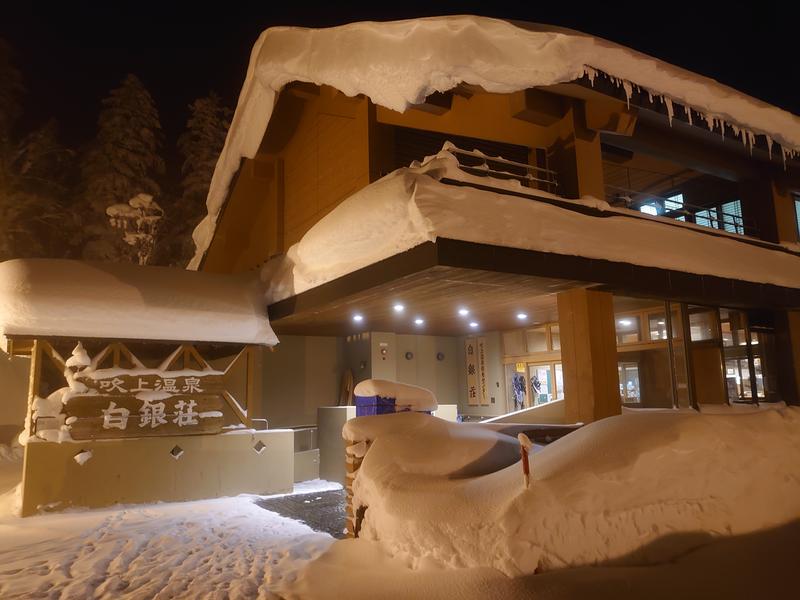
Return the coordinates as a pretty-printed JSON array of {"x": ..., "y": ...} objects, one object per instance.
[
  {"x": 398, "y": 64},
  {"x": 52, "y": 297},
  {"x": 411, "y": 206}
]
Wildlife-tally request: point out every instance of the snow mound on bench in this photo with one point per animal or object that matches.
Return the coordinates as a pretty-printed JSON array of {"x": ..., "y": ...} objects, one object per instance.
[
  {"x": 630, "y": 490},
  {"x": 412, "y": 397}
]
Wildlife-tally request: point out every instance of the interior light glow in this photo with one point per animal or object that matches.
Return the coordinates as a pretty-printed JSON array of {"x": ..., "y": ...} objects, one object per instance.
[
  {"x": 522, "y": 316},
  {"x": 358, "y": 318},
  {"x": 624, "y": 322},
  {"x": 473, "y": 324},
  {"x": 398, "y": 308},
  {"x": 419, "y": 321},
  {"x": 463, "y": 312}
]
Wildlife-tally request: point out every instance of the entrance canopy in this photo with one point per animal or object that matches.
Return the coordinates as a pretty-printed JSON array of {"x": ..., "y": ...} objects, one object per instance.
[{"x": 68, "y": 298}]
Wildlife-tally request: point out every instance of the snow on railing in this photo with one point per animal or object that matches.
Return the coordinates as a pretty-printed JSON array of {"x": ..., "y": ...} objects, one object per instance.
[{"x": 502, "y": 168}]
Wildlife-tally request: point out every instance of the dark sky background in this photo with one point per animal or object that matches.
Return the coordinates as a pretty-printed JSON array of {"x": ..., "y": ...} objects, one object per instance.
[{"x": 73, "y": 55}]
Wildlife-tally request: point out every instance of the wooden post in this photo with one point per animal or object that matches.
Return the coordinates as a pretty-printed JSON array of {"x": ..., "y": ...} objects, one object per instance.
[
  {"x": 33, "y": 382},
  {"x": 353, "y": 460},
  {"x": 588, "y": 355}
]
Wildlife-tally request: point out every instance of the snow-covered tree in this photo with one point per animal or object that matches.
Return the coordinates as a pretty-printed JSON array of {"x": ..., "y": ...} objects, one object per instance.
[
  {"x": 138, "y": 220},
  {"x": 123, "y": 162},
  {"x": 200, "y": 146}
]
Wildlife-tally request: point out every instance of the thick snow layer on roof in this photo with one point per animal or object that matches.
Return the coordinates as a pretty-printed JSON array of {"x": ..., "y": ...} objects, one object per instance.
[
  {"x": 48, "y": 297},
  {"x": 636, "y": 489},
  {"x": 397, "y": 64},
  {"x": 411, "y": 206}
]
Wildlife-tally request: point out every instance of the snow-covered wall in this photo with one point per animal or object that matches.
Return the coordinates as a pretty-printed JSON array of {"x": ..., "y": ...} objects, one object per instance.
[
  {"x": 52, "y": 297},
  {"x": 397, "y": 64}
]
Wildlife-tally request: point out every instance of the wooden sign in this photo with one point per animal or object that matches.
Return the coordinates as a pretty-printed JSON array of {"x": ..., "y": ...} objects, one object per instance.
[
  {"x": 483, "y": 396},
  {"x": 473, "y": 384},
  {"x": 149, "y": 404},
  {"x": 118, "y": 416},
  {"x": 131, "y": 383}
]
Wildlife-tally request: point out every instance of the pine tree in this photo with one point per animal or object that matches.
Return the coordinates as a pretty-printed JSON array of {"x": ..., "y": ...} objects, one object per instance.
[
  {"x": 124, "y": 161},
  {"x": 33, "y": 173},
  {"x": 200, "y": 145},
  {"x": 11, "y": 90}
]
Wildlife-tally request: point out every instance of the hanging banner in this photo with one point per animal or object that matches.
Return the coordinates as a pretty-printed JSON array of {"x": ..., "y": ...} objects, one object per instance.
[
  {"x": 473, "y": 387},
  {"x": 482, "y": 395}
]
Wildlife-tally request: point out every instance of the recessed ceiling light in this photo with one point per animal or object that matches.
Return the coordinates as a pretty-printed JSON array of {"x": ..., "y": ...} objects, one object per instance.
[
  {"x": 358, "y": 318},
  {"x": 473, "y": 324},
  {"x": 398, "y": 308},
  {"x": 419, "y": 321},
  {"x": 463, "y": 312},
  {"x": 522, "y": 316}
]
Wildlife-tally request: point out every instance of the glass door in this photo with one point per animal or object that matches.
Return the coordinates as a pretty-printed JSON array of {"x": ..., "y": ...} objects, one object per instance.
[{"x": 541, "y": 382}]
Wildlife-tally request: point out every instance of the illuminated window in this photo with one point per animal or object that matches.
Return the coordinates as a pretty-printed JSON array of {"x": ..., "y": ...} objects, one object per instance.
[
  {"x": 797, "y": 213},
  {"x": 674, "y": 202},
  {"x": 650, "y": 209},
  {"x": 727, "y": 216}
]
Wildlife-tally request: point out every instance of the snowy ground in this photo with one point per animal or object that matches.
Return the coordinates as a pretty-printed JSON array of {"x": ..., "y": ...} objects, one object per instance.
[
  {"x": 232, "y": 548},
  {"x": 224, "y": 548}
]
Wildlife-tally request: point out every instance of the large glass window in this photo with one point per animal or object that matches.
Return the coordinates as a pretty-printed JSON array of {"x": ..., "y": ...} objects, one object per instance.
[
  {"x": 628, "y": 382},
  {"x": 702, "y": 323},
  {"x": 536, "y": 339},
  {"x": 727, "y": 216},
  {"x": 657, "y": 326},
  {"x": 627, "y": 329},
  {"x": 731, "y": 216},
  {"x": 559, "y": 382},
  {"x": 517, "y": 388}
]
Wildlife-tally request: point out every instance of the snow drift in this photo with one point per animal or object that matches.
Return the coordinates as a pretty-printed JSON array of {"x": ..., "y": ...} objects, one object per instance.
[
  {"x": 629, "y": 490},
  {"x": 397, "y": 64}
]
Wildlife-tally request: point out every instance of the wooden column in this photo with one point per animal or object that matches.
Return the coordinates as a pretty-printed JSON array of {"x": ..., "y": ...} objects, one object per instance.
[
  {"x": 790, "y": 357},
  {"x": 588, "y": 355}
]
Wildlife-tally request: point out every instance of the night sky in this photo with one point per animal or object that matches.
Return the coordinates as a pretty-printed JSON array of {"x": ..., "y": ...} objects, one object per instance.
[{"x": 70, "y": 59}]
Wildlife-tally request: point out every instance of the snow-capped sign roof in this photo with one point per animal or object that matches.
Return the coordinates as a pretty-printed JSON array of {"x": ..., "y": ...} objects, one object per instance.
[
  {"x": 53, "y": 297},
  {"x": 398, "y": 64}
]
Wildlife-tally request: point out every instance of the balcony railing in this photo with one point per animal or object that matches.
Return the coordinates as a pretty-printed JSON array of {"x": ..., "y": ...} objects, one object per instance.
[{"x": 481, "y": 165}]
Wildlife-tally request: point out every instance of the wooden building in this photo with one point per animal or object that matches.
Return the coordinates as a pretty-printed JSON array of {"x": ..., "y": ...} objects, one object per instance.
[{"x": 670, "y": 276}]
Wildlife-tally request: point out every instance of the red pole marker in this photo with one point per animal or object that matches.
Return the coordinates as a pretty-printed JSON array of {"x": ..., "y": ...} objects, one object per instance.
[{"x": 525, "y": 446}]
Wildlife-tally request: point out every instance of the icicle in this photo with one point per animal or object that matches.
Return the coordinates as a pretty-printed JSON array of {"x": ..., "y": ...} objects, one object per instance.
[
  {"x": 590, "y": 73},
  {"x": 752, "y": 139},
  {"x": 626, "y": 85},
  {"x": 650, "y": 96},
  {"x": 769, "y": 146},
  {"x": 783, "y": 155},
  {"x": 722, "y": 128},
  {"x": 668, "y": 104},
  {"x": 688, "y": 114}
]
